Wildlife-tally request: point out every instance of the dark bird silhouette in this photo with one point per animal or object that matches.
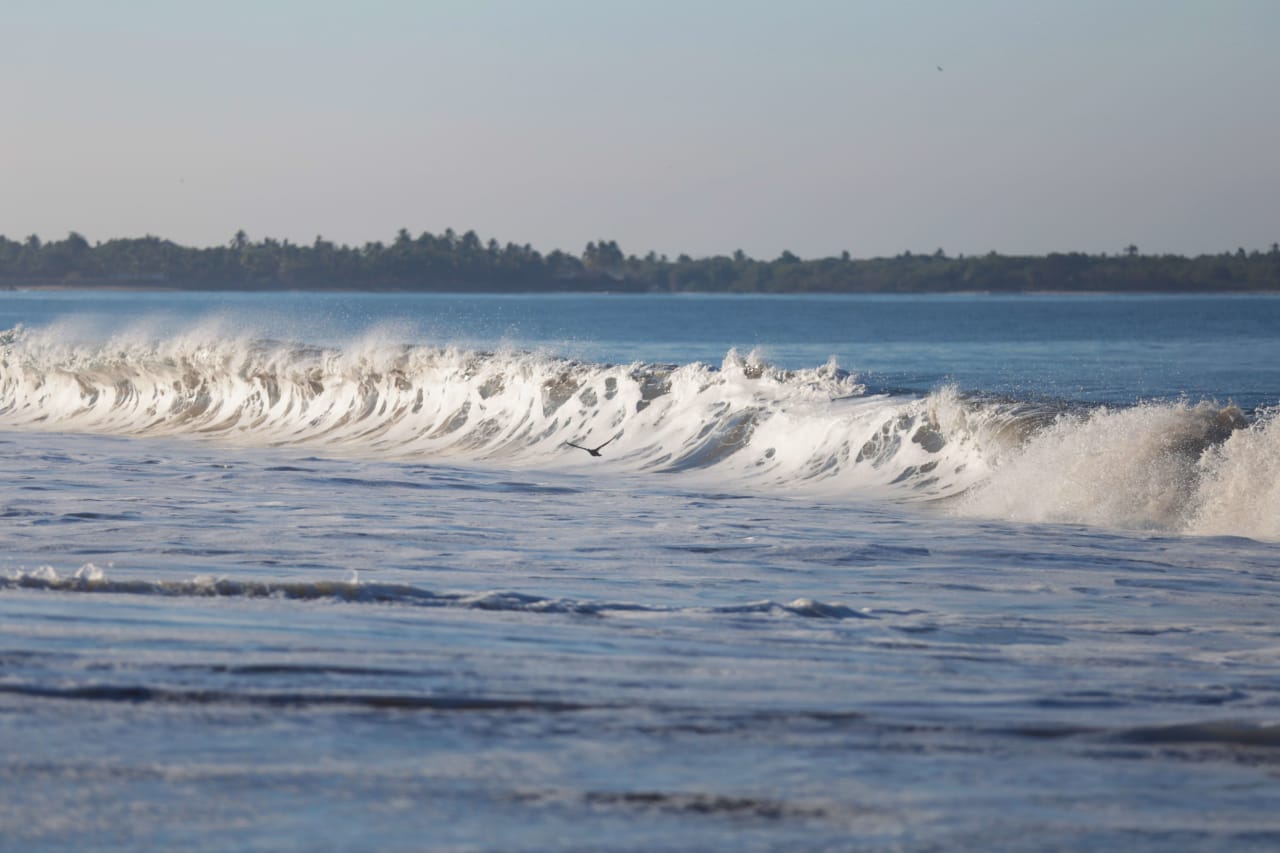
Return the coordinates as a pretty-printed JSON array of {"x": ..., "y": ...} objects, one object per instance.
[
  {"x": 594, "y": 451},
  {"x": 939, "y": 67}
]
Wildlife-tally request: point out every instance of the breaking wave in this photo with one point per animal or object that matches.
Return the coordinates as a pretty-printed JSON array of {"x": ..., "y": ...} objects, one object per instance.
[{"x": 1182, "y": 466}]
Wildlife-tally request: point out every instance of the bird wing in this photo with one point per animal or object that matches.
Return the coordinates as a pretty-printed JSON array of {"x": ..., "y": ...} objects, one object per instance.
[
  {"x": 579, "y": 446},
  {"x": 607, "y": 442}
]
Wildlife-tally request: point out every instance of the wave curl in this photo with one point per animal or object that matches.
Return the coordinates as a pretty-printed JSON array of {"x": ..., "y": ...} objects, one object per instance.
[{"x": 1197, "y": 468}]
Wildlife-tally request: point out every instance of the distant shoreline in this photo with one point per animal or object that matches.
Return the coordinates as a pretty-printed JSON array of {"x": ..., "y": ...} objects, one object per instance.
[{"x": 453, "y": 263}]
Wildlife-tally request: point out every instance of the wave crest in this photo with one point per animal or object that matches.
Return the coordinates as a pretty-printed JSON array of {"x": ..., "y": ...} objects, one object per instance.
[
  {"x": 1196, "y": 468},
  {"x": 1175, "y": 467}
]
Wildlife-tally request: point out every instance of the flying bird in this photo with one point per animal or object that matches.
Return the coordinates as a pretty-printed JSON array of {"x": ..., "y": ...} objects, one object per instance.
[
  {"x": 939, "y": 67},
  {"x": 594, "y": 451}
]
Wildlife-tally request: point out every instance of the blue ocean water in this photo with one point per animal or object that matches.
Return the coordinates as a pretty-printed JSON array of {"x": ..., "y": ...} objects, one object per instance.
[{"x": 317, "y": 571}]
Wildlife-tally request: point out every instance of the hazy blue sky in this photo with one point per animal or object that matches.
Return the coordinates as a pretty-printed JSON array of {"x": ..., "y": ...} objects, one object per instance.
[{"x": 690, "y": 126}]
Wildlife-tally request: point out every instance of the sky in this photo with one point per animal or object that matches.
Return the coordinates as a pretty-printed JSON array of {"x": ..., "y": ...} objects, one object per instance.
[{"x": 678, "y": 126}]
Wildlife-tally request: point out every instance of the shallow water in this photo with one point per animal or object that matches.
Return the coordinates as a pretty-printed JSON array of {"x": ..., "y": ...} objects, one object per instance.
[{"x": 344, "y": 586}]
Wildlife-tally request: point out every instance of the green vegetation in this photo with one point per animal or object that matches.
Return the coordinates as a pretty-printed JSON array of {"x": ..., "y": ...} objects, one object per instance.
[{"x": 453, "y": 262}]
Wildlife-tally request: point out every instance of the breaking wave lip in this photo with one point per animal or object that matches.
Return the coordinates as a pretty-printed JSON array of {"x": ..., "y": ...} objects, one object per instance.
[
  {"x": 1183, "y": 467},
  {"x": 91, "y": 579},
  {"x": 745, "y": 420}
]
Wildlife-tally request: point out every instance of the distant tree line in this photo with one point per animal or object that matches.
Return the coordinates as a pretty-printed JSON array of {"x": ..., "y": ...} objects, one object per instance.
[{"x": 464, "y": 262}]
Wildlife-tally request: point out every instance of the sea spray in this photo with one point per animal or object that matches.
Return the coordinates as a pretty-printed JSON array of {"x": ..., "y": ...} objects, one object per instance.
[
  {"x": 1142, "y": 467},
  {"x": 1238, "y": 490},
  {"x": 745, "y": 424}
]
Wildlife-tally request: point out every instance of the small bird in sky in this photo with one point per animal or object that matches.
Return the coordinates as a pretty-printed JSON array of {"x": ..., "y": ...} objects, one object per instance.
[
  {"x": 594, "y": 451},
  {"x": 939, "y": 67}
]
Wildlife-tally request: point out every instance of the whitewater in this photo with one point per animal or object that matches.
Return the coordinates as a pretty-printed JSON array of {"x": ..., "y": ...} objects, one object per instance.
[
  {"x": 291, "y": 570},
  {"x": 1174, "y": 466}
]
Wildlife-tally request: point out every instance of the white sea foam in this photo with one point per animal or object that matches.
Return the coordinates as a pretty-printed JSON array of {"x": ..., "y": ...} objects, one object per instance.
[
  {"x": 1238, "y": 489},
  {"x": 1152, "y": 466},
  {"x": 1177, "y": 467}
]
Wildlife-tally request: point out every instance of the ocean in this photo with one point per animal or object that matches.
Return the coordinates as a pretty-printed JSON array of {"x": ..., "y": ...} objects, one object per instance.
[{"x": 322, "y": 571}]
